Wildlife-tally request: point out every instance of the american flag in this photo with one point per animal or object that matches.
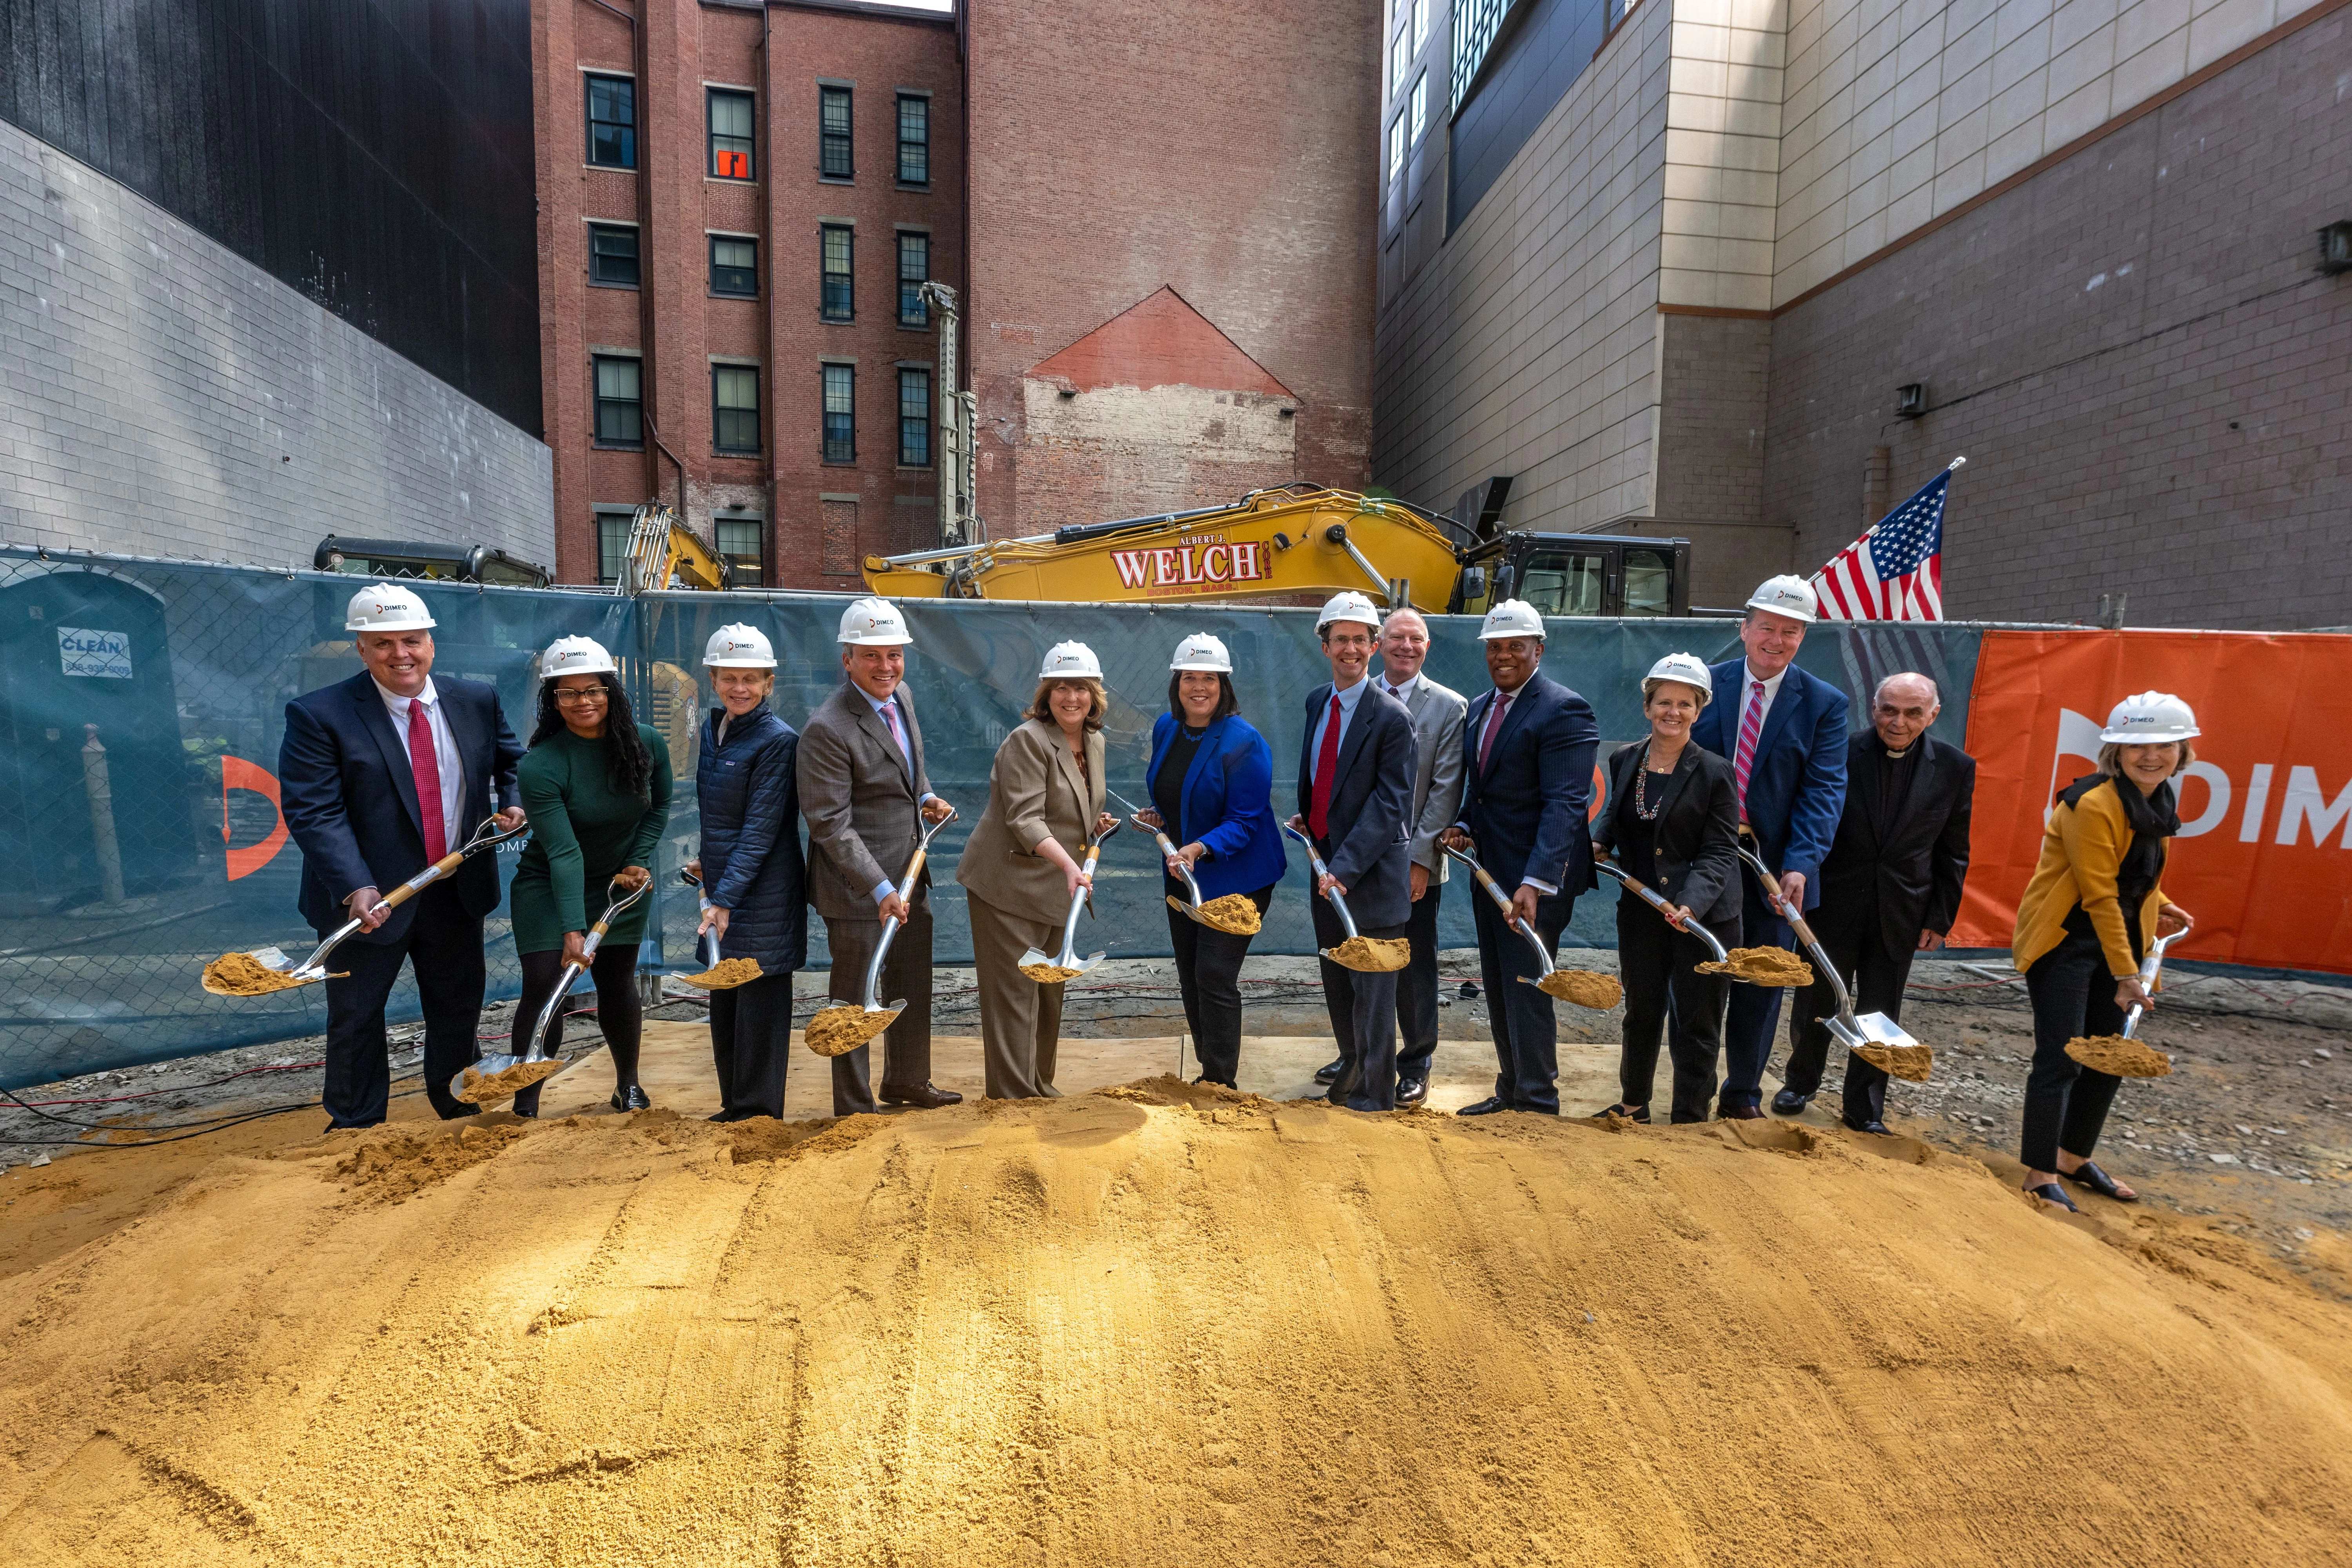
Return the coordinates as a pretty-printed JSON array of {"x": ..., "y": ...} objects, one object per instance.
[{"x": 1894, "y": 571}]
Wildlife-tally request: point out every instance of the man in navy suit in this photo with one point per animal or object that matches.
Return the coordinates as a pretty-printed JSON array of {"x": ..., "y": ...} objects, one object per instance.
[
  {"x": 380, "y": 775},
  {"x": 1528, "y": 744},
  {"x": 1356, "y": 767},
  {"x": 1784, "y": 731}
]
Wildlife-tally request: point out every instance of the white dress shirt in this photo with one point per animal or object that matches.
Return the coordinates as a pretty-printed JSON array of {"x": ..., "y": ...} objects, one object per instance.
[
  {"x": 444, "y": 754},
  {"x": 1747, "y": 695},
  {"x": 1401, "y": 690}
]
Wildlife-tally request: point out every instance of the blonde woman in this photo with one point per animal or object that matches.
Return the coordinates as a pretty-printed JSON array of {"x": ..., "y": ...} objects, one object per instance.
[
  {"x": 1024, "y": 862},
  {"x": 2086, "y": 920}
]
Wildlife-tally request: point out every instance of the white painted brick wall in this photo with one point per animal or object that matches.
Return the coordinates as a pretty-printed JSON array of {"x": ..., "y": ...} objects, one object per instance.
[{"x": 160, "y": 396}]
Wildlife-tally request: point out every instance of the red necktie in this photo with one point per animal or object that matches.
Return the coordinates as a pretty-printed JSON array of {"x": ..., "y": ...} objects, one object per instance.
[
  {"x": 1751, "y": 725},
  {"x": 1327, "y": 764},
  {"x": 426, "y": 764},
  {"x": 1493, "y": 724}
]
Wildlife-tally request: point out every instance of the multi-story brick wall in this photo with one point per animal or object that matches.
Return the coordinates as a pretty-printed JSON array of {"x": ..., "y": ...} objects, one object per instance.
[
  {"x": 162, "y": 396},
  {"x": 1224, "y": 150},
  {"x": 814, "y": 512},
  {"x": 2135, "y": 353}
]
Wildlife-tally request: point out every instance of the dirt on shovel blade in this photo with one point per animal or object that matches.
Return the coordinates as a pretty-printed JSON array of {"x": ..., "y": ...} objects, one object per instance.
[
  {"x": 1584, "y": 988},
  {"x": 838, "y": 1030},
  {"x": 242, "y": 974},
  {"x": 1762, "y": 966},
  {"x": 479, "y": 1088},
  {"x": 1232, "y": 913},
  {"x": 725, "y": 975},
  {"x": 1050, "y": 974},
  {"x": 1910, "y": 1063},
  {"x": 2124, "y": 1059},
  {"x": 1372, "y": 954}
]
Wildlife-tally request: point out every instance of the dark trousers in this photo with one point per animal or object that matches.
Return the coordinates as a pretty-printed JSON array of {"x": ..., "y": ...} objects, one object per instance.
[
  {"x": 2067, "y": 1102},
  {"x": 1755, "y": 1011},
  {"x": 1417, "y": 987},
  {"x": 445, "y": 943},
  {"x": 1363, "y": 1018},
  {"x": 620, "y": 1015},
  {"x": 905, "y": 977},
  {"x": 1855, "y": 947},
  {"x": 751, "y": 1045},
  {"x": 1520, "y": 1016},
  {"x": 1209, "y": 974},
  {"x": 1665, "y": 994}
]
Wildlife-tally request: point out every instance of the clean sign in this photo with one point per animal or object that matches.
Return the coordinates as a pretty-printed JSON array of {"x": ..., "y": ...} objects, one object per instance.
[{"x": 103, "y": 654}]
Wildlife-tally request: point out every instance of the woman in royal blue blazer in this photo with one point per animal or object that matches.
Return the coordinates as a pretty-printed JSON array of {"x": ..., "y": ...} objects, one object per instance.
[{"x": 1212, "y": 785}]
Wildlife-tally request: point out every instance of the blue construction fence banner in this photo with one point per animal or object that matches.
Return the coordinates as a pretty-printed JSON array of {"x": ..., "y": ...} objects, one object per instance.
[{"x": 144, "y": 701}]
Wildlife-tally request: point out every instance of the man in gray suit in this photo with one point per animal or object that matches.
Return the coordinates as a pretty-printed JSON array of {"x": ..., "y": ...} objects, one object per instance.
[
  {"x": 862, "y": 786},
  {"x": 1437, "y": 717}
]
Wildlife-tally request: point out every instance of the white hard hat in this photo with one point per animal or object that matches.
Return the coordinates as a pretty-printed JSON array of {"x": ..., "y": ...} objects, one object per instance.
[
  {"x": 1687, "y": 668},
  {"x": 1070, "y": 661},
  {"x": 738, "y": 647},
  {"x": 1790, "y": 596},
  {"x": 2150, "y": 718},
  {"x": 874, "y": 623},
  {"x": 1348, "y": 606},
  {"x": 386, "y": 608},
  {"x": 1511, "y": 618},
  {"x": 576, "y": 656},
  {"x": 1202, "y": 651}
]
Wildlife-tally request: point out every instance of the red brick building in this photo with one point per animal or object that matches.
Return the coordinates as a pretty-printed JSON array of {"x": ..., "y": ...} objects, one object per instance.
[{"x": 1168, "y": 299}]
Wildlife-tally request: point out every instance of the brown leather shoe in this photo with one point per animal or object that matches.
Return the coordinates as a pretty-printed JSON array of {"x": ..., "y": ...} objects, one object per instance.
[
  {"x": 1741, "y": 1113},
  {"x": 920, "y": 1095}
]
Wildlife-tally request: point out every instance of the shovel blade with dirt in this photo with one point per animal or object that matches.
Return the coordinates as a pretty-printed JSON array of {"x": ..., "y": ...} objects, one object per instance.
[
  {"x": 1364, "y": 954},
  {"x": 1054, "y": 969},
  {"x": 266, "y": 970},
  {"x": 1583, "y": 987},
  {"x": 2124, "y": 1055},
  {"x": 724, "y": 974},
  {"x": 840, "y": 1028},
  {"x": 503, "y": 1073},
  {"x": 1232, "y": 914},
  {"x": 1873, "y": 1036}
]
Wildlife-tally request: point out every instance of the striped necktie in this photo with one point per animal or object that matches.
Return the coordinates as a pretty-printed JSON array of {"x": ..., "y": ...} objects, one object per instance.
[{"x": 1751, "y": 724}]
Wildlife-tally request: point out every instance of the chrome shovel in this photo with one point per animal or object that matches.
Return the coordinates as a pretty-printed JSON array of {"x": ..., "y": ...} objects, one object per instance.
[
  {"x": 1584, "y": 988},
  {"x": 1068, "y": 965},
  {"x": 840, "y": 1028},
  {"x": 1191, "y": 911},
  {"x": 1873, "y": 1036},
  {"x": 501, "y": 1075},
  {"x": 1365, "y": 954}
]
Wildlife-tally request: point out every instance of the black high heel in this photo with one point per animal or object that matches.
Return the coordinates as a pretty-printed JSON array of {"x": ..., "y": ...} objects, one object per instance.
[{"x": 631, "y": 1098}]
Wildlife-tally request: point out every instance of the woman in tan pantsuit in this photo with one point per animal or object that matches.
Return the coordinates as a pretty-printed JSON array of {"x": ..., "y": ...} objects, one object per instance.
[{"x": 1023, "y": 863}]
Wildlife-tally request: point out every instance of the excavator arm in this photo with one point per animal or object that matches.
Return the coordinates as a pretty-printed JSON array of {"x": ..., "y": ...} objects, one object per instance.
[
  {"x": 1273, "y": 544},
  {"x": 663, "y": 553}
]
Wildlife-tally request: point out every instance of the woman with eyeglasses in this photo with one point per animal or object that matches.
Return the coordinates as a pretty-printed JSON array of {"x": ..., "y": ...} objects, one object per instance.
[{"x": 596, "y": 784}]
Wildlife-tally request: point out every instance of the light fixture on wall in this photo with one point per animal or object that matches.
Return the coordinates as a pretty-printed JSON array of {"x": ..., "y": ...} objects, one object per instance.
[
  {"x": 2335, "y": 246},
  {"x": 1911, "y": 400}
]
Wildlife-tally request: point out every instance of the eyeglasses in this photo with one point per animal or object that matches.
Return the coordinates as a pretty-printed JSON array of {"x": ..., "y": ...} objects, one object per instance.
[{"x": 591, "y": 694}]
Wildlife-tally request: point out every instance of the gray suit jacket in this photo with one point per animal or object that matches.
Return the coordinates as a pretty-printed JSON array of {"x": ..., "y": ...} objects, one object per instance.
[
  {"x": 1437, "y": 717},
  {"x": 859, "y": 800}
]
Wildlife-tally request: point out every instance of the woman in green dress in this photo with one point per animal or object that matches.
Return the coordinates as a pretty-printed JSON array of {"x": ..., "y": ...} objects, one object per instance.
[{"x": 596, "y": 784}]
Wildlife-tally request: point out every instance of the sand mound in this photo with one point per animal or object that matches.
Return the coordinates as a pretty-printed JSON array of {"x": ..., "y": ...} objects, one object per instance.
[
  {"x": 1372, "y": 954},
  {"x": 844, "y": 1028},
  {"x": 1162, "y": 1325},
  {"x": 1232, "y": 914},
  {"x": 725, "y": 975},
  {"x": 2125, "y": 1058},
  {"x": 1584, "y": 988},
  {"x": 242, "y": 974},
  {"x": 1771, "y": 966},
  {"x": 1050, "y": 974}
]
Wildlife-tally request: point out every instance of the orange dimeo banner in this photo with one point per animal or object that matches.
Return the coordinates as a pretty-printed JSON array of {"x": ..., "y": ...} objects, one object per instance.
[{"x": 2264, "y": 862}]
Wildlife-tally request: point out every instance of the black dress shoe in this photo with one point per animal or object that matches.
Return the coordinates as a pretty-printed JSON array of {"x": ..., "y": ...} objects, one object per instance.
[
  {"x": 1486, "y": 1107},
  {"x": 920, "y": 1095},
  {"x": 1329, "y": 1072},
  {"x": 1788, "y": 1102},
  {"x": 1740, "y": 1114},
  {"x": 1412, "y": 1091},
  {"x": 1878, "y": 1128},
  {"x": 631, "y": 1098}
]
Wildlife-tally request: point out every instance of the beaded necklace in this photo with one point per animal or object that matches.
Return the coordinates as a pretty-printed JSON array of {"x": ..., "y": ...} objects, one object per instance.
[{"x": 1642, "y": 806}]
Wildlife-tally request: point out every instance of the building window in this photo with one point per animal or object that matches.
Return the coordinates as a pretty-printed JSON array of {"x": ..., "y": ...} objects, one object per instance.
[
  {"x": 734, "y": 267},
  {"x": 833, "y": 160},
  {"x": 914, "y": 141},
  {"x": 1476, "y": 24},
  {"x": 915, "y": 418},
  {"x": 1400, "y": 56},
  {"x": 1420, "y": 106},
  {"x": 613, "y": 121},
  {"x": 612, "y": 543},
  {"x": 730, "y": 134},
  {"x": 1420, "y": 23},
  {"x": 841, "y": 414},
  {"x": 612, "y": 256},
  {"x": 620, "y": 402},
  {"x": 914, "y": 272},
  {"x": 839, "y": 301},
  {"x": 1396, "y": 149},
  {"x": 743, "y": 543},
  {"x": 734, "y": 408}
]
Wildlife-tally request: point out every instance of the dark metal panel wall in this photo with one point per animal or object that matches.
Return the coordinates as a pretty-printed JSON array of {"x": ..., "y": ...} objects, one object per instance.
[
  {"x": 374, "y": 155},
  {"x": 1549, "y": 45}
]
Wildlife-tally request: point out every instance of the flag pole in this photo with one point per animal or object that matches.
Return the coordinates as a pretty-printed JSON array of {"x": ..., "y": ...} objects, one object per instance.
[{"x": 1954, "y": 467}]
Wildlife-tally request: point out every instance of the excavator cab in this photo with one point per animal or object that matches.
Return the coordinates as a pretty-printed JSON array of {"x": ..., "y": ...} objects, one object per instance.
[{"x": 1576, "y": 575}]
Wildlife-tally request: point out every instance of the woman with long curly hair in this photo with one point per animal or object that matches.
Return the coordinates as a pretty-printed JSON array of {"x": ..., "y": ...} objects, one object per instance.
[{"x": 596, "y": 785}]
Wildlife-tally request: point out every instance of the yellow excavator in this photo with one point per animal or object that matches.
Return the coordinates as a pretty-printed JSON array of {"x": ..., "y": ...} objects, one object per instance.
[
  {"x": 1304, "y": 541},
  {"x": 663, "y": 553}
]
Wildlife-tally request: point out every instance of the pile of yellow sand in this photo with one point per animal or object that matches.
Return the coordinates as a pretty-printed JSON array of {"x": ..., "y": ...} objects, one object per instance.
[
  {"x": 242, "y": 974},
  {"x": 1158, "y": 1326}
]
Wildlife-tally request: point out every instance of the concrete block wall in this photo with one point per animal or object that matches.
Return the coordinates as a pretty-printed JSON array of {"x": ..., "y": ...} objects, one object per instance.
[
  {"x": 1723, "y": 153},
  {"x": 160, "y": 396}
]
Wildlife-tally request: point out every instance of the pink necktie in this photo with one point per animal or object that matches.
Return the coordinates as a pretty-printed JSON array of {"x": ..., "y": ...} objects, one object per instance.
[
  {"x": 1751, "y": 724},
  {"x": 426, "y": 764},
  {"x": 1327, "y": 764},
  {"x": 890, "y": 716},
  {"x": 1494, "y": 724}
]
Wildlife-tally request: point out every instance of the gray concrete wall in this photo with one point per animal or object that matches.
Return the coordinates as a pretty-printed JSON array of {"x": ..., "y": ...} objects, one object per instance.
[{"x": 158, "y": 396}]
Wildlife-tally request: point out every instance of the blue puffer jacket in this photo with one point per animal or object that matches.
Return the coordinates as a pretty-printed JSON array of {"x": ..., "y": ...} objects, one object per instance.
[{"x": 751, "y": 862}]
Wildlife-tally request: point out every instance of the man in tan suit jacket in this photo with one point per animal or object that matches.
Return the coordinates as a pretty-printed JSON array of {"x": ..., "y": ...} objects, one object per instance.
[{"x": 863, "y": 787}]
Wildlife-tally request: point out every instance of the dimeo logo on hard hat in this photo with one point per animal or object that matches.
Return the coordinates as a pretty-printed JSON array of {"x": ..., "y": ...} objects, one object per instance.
[
  {"x": 2306, "y": 814},
  {"x": 1196, "y": 566}
]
